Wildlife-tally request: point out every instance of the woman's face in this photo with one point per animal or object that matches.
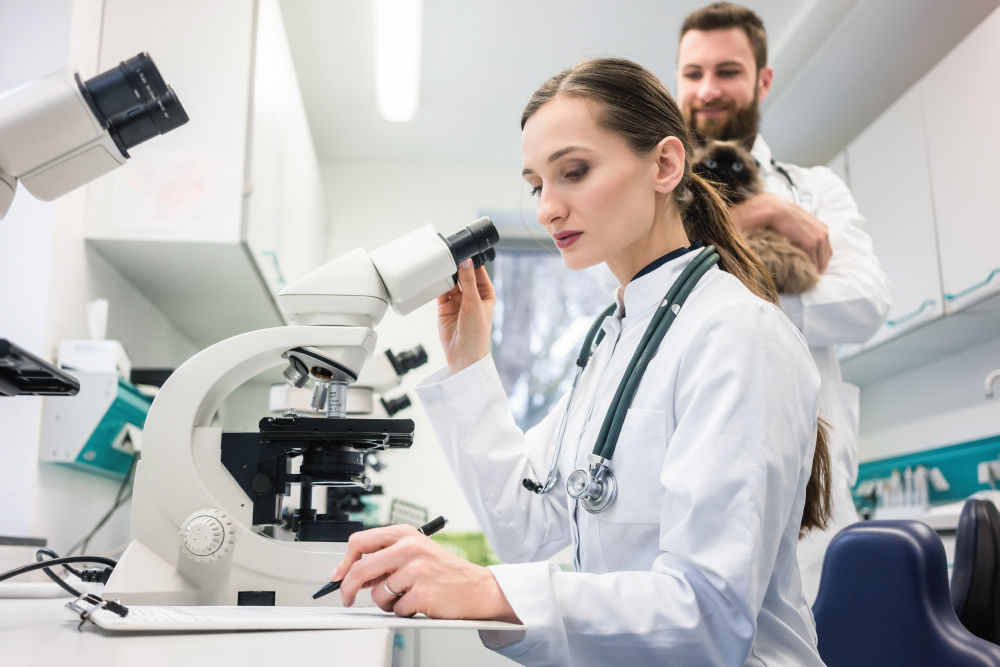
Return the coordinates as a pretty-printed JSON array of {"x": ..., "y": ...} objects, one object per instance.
[{"x": 596, "y": 197}]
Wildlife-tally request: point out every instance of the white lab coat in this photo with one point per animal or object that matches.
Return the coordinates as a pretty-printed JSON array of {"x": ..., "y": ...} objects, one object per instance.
[
  {"x": 848, "y": 305},
  {"x": 694, "y": 563}
]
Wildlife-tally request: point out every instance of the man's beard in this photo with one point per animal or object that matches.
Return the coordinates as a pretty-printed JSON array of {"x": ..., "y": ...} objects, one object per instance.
[{"x": 741, "y": 125}]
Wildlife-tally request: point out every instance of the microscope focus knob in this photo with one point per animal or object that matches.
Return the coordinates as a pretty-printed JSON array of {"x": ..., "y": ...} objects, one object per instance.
[{"x": 207, "y": 535}]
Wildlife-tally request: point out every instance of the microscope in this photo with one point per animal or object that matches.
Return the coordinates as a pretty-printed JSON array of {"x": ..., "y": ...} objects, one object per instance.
[
  {"x": 61, "y": 132},
  {"x": 203, "y": 497}
]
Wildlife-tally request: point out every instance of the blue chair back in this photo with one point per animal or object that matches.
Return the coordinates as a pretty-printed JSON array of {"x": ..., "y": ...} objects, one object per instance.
[
  {"x": 975, "y": 580},
  {"x": 883, "y": 600}
]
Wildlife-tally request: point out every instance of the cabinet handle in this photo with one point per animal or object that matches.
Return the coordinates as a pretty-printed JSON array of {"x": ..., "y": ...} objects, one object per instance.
[
  {"x": 969, "y": 290},
  {"x": 274, "y": 258},
  {"x": 909, "y": 316}
]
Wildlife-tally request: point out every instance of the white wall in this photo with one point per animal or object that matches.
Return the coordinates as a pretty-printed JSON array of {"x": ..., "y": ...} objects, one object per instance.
[
  {"x": 940, "y": 404},
  {"x": 47, "y": 276},
  {"x": 372, "y": 203}
]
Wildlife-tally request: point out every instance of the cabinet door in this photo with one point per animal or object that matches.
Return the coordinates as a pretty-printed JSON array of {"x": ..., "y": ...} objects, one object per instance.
[
  {"x": 188, "y": 184},
  {"x": 961, "y": 97},
  {"x": 891, "y": 184},
  {"x": 285, "y": 221}
]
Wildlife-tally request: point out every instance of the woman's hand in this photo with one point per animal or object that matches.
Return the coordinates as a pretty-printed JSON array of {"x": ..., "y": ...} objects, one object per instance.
[
  {"x": 425, "y": 577},
  {"x": 465, "y": 317}
]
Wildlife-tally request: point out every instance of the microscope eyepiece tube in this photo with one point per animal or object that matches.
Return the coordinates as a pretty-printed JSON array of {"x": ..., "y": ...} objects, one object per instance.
[
  {"x": 133, "y": 102},
  {"x": 475, "y": 241}
]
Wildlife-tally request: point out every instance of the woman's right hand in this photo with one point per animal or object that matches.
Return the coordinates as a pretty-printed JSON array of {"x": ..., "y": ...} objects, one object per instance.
[{"x": 465, "y": 317}]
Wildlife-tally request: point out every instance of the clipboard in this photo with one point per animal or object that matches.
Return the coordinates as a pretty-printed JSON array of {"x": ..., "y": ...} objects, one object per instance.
[{"x": 114, "y": 616}]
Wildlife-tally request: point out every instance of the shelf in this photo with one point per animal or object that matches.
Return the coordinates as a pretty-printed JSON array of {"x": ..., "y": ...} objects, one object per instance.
[
  {"x": 210, "y": 291},
  {"x": 975, "y": 324}
]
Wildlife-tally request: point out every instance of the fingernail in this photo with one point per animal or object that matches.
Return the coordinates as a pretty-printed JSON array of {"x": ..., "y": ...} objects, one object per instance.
[{"x": 466, "y": 264}]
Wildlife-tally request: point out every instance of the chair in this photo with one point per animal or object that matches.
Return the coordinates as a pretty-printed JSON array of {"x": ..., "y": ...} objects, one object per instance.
[
  {"x": 975, "y": 584},
  {"x": 883, "y": 600}
]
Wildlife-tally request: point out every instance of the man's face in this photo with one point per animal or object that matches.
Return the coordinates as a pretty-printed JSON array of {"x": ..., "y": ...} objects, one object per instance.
[{"x": 718, "y": 85}]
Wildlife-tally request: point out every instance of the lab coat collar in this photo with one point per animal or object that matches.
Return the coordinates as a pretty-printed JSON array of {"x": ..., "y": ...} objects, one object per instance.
[
  {"x": 647, "y": 291},
  {"x": 762, "y": 153}
]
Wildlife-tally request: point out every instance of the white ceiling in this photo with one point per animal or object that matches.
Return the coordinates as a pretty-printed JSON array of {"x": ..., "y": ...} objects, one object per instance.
[{"x": 838, "y": 64}]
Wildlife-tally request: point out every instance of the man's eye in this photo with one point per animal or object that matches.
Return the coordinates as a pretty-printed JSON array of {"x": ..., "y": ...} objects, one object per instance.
[
  {"x": 729, "y": 73},
  {"x": 694, "y": 76}
]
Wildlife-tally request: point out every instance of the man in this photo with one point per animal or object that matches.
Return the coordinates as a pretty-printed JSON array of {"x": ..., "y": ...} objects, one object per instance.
[{"x": 722, "y": 76}]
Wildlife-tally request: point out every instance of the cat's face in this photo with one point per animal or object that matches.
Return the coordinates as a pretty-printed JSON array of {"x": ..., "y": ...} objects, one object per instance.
[{"x": 727, "y": 163}]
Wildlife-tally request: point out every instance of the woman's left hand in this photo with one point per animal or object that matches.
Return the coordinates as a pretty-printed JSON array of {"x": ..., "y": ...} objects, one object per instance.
[{"x": 425, "y": 577}]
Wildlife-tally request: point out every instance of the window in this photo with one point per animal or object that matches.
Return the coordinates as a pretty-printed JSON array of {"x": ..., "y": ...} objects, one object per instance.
[{"x": 542, "y": 315}]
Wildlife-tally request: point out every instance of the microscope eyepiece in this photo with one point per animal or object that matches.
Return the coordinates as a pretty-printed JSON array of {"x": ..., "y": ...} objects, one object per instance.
[
  {"x": 133, "y": 102},
  {"x": 475, "y": 241}
]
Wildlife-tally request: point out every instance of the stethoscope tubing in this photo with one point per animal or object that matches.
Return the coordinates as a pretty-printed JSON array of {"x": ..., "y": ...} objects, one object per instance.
[{"x": 611, "y": 428}]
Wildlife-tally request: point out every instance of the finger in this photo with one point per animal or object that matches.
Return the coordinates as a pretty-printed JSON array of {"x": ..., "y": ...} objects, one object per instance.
[
  {"x": 827, "y": 253},
  {"x": 467, "y": 282},
  {"x": 484, "y": 286},
  {"x": 449, "y": 302},
  {"x": 366, "y": 542},
  {"x": 382, "y": 597},
  {"x": 368, "y": 572}
]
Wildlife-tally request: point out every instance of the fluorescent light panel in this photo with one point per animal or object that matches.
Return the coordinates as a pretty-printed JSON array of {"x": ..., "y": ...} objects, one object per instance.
[{"x": 398, "y": 27}]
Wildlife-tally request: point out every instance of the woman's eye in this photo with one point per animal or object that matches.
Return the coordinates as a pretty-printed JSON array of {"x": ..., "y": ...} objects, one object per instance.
[
  {"x": 576, "y": 174},
  {"x": 535, "y": 191}
]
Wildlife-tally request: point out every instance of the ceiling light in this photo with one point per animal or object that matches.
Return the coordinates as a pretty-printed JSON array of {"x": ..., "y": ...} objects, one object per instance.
[{"x": 397, "y": 57}]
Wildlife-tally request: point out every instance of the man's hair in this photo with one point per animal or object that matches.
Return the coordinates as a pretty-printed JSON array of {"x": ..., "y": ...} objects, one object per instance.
[{"x": 725, "y": 15}]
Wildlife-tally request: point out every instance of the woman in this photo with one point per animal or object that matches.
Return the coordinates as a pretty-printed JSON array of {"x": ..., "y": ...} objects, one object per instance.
[{"x": 694, "y": 561}]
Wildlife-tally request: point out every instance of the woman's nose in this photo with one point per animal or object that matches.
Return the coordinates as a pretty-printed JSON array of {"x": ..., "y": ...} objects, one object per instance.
[{"x": 550, "y": 207}]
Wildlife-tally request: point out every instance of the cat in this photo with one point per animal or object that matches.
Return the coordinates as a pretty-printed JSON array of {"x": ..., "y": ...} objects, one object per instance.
[{"x": 734, "y": 172}]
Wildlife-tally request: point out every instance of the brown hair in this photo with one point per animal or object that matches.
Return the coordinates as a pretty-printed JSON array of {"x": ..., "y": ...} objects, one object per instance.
[
  {"x": 725, "y": 15},
  {"x": 634, "y": 104}
]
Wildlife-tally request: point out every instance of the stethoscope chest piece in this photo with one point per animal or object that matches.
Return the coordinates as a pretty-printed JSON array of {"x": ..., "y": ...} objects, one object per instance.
[{"x": 595, "y": 487}]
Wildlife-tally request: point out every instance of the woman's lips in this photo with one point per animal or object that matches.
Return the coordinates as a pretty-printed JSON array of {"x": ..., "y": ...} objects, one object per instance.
[{"x": 566, "y": 239}]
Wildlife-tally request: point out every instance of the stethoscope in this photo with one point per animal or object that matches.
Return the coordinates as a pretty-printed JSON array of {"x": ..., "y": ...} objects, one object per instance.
[
  {"x": 595, "y": 486},
  {"x": 788, "y": 177}
]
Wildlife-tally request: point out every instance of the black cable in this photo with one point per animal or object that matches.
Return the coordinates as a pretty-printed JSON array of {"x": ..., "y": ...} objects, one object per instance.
[
  {"x": 45, "y": 564},
  {"x": 52, "y": 575},
  {"x": 120, "y": 498}
]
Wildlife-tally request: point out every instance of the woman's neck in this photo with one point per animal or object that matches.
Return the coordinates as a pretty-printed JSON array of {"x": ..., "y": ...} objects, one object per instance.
[{"x": 666, "y": 235}]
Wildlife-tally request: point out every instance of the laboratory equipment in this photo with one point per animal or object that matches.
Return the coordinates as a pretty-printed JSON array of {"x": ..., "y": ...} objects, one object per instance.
[
  {"x": 203, "y": 496},
  {"x": 61, "y": 131},
  {"x": 22, "y": 373}
]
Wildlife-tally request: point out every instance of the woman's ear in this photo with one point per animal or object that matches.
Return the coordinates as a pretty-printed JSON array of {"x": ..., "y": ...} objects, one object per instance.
[{"x": 669, "y": 155}]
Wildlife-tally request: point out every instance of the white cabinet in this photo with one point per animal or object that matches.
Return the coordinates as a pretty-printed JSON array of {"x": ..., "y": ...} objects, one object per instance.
[
  {"x": 962, "y": 94},
  {"x": 925, "y": 175},
  {"x": 891, "y": 184},
  {"x": 285, "y": 207},
  {"x": 204, "y": 220}
]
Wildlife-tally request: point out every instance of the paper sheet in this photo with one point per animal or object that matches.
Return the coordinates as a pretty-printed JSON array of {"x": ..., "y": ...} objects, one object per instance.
[{"x": 188, "y": 619}]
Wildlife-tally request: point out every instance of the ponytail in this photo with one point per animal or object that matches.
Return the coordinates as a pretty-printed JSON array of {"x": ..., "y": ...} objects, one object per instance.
[
  {"x": 819, "y": 503},
  {"x": 706, "y": 217}
]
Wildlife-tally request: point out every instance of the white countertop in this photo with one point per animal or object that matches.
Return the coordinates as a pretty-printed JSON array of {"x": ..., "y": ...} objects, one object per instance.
[{"x": 44, "y": 632}]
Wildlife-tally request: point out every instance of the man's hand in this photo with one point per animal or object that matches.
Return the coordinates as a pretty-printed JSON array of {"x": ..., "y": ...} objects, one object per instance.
[{"x": 802, "y": 229}]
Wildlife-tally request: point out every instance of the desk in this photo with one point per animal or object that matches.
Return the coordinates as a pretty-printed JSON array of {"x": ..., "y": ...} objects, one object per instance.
[{"x": 43, "y": 632}]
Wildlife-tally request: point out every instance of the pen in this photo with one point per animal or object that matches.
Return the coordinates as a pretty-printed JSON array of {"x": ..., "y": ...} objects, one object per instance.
[{"x": 429, "y": 528}]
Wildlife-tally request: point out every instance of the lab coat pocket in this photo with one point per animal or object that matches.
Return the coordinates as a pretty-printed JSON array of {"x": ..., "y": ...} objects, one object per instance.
[{"x": 637, "y": 464}]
